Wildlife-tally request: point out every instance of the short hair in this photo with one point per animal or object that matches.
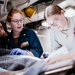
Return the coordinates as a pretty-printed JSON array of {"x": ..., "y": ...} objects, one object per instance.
[
  {"x": 12, "y": 12},
  {"x": 51, "y": 10}
]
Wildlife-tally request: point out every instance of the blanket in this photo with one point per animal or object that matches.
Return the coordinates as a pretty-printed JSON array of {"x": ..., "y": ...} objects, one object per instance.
[
  {"x": 17, "y": 62},
  {"x": 26, "y": 65}
]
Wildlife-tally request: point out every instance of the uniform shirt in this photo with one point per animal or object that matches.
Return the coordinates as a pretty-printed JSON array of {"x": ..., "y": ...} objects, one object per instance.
[
  {"x": 27, "y": 40},
  {"x": 58, "y": 39}
]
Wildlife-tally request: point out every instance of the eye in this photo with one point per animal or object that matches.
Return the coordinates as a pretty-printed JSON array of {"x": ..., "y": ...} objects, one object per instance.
[
  {"x": 55, "y": 20},
  {"x": 21, "y": 20}
]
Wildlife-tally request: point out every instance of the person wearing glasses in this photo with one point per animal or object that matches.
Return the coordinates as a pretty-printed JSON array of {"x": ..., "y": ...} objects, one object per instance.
[
  {"x": 62, "y": 32},
  {"x": 21, "y": 41}
]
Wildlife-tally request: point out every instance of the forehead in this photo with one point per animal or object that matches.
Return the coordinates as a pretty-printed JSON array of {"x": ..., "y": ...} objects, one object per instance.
[
  {"x": 17, "y": 16},
  {"x": 48, "y": 11},
  {"x": 53, "y": 16}
]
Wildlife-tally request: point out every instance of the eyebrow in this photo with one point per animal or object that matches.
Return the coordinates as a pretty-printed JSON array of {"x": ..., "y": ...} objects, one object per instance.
[{"x": 16, "y": 19}]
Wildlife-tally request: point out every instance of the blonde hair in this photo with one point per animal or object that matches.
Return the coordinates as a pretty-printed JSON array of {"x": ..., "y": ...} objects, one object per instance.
[
  {"x": 51, "y": 10},
  {"x": 12, "y": 12}
]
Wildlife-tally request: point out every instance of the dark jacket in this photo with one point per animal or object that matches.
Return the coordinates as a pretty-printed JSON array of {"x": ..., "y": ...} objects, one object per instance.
[{"x": 27, "y": 40}]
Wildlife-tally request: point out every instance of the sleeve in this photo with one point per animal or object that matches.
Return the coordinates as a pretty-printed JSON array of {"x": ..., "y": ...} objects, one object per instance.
[
  {"x": 35, "y": 45},
  {"x": 54, "y": 42}
]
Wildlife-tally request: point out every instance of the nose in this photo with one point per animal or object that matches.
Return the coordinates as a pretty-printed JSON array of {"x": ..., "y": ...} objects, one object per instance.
[
  {"x": 54, "y": 23},
  {"x": 18, "y": 22}
]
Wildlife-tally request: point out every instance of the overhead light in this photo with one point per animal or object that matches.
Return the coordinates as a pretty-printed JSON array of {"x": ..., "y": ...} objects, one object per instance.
[{"x": 29, "y": 12}]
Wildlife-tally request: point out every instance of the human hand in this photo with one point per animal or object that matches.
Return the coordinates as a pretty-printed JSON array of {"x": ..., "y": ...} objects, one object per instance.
[{"x": 18, "y": 51}]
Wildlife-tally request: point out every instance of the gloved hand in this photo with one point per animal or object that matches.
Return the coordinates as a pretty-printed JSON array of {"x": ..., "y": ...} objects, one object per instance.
[{"x": 18, "y": 51}]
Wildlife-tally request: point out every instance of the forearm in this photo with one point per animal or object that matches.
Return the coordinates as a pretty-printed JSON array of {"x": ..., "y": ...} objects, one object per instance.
[{"x": 61, "y": 58}]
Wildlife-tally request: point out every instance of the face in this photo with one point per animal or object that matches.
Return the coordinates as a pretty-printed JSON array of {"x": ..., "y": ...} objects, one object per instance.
[
  {"x": 56, "y": 21},
  {"x": 16, "y": 23},
  {"x": 2, "y": 31}
]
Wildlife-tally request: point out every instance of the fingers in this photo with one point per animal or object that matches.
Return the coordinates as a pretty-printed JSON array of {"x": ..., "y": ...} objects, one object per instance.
[{"x": 13, "y": 52}]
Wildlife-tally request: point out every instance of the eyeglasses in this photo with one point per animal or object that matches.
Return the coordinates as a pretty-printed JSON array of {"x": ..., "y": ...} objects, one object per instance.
[
  {"x": 17, "y": 21},
  {"x": 54, "y": 22}
]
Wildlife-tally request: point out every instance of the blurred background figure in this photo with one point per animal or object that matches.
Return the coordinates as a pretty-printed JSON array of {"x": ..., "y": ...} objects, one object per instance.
[{"x": 3, "y": 32}]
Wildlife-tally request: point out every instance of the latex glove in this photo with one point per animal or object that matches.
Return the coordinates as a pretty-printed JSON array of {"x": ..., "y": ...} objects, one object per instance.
[{"x": 18, "y": 51}]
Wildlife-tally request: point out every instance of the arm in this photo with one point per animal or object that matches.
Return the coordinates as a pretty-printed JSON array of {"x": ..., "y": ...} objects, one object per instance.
[
  {"x": 54, "y": 42},
  {"x": 35, "y": 45},
  {"x": 61, "y": 58}
]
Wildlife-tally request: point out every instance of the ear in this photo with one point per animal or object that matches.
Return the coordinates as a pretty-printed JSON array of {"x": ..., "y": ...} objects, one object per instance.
[{"x": 62, "y": 11}]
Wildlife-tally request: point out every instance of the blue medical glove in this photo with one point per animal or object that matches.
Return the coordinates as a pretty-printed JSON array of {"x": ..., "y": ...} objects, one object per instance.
[{"x": 18, "y": 51}]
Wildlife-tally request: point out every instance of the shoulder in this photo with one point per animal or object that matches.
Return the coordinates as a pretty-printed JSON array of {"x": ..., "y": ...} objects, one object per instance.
[
  {"x": 53, "y": 30},
  {"x": 71, "y": 21},
  {"x": 28, "y": 31},
  {"x": 71, "y": 18}
]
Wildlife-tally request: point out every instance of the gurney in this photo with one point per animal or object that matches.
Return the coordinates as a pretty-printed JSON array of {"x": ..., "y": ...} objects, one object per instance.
[{"x": 26, "y": 65}]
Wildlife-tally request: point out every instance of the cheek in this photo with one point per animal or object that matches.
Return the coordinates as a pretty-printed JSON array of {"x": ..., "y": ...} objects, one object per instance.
[
  {"x": 13, "y": 26},
  {"x": 62, "y": 25},
  {"x": 59, "y": 23}
]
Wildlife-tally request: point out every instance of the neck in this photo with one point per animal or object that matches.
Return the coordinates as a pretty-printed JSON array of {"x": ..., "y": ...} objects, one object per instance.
[
  {"x": 16, "y": 35},
  {"x": 66, "y": 25}
]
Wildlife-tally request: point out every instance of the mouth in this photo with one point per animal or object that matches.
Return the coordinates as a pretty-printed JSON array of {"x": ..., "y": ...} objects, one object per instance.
[{"x": 19, "y": 27}]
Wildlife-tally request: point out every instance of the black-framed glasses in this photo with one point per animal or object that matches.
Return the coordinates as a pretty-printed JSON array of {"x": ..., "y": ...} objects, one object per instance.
[{"x": 17, "y": 21}]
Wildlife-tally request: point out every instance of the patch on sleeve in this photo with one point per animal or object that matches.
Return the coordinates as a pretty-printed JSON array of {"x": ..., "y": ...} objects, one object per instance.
[{"x": 24, "y": 44}]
